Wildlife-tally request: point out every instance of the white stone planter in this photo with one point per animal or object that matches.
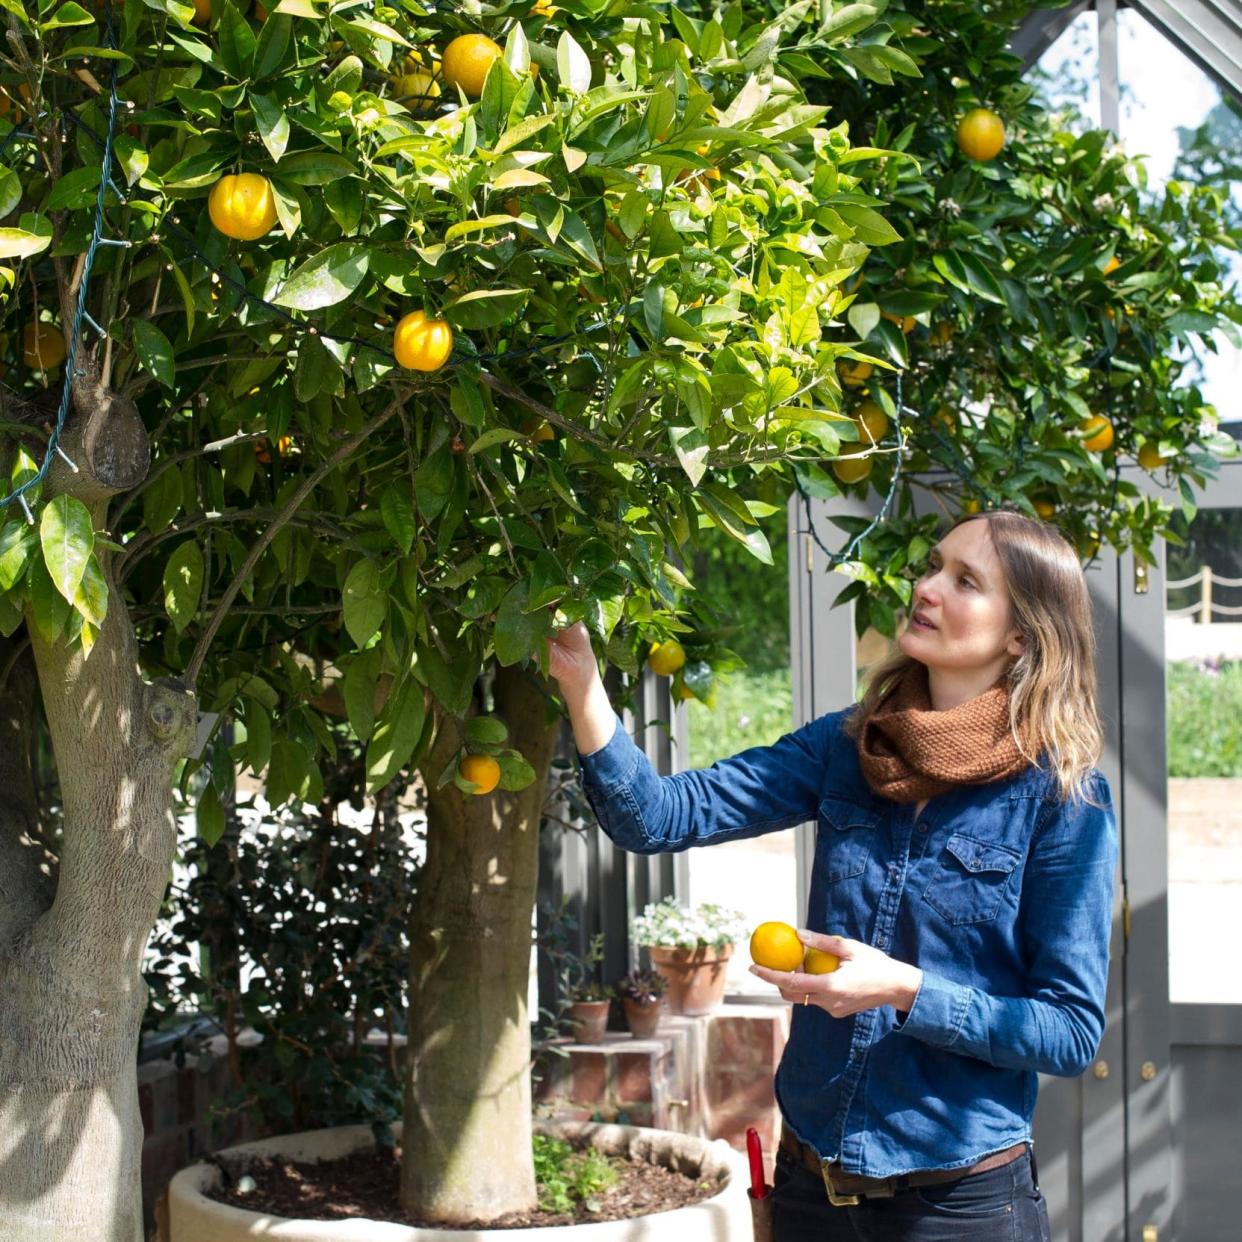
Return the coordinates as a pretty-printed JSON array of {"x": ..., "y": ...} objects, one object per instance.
[{"x": 725, "y": 1217}]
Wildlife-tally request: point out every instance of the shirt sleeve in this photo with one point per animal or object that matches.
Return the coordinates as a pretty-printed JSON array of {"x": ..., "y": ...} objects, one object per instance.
[
  {"x": 757, "y": 790},
  {"x": 1065, "y": 923}
]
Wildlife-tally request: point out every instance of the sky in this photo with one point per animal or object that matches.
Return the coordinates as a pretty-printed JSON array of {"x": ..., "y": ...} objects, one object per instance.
[{"x": 1161, "y": 89}]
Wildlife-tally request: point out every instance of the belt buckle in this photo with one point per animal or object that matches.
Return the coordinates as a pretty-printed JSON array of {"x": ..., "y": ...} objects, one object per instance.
[{"x": 837, "y": 1200}]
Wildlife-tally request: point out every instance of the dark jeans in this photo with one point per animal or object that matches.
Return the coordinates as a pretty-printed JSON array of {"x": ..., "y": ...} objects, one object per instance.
[{"x": 1001, "y": 1205}]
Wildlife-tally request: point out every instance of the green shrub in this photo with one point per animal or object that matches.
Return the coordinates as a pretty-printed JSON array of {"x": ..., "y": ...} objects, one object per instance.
[
  {"x": 1205, "y": 718},
  {"x": 752, "y": 709},
  {"x": 564, "y": 1178}
]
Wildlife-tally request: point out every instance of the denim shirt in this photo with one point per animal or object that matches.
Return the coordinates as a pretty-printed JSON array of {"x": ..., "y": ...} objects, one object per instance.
[{"x": 1000, "y": 893}]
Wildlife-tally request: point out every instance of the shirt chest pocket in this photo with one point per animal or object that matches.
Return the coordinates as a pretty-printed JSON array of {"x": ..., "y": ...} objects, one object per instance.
[
  {"x": 846, "y": 831},
  {"x": 971, "y": 879}
]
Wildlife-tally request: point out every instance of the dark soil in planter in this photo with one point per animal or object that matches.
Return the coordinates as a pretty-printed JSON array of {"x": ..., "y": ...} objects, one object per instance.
[{"x": 366, "y": 1185}]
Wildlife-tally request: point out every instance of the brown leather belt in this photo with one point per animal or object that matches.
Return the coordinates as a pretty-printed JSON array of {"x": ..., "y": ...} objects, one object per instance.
[{"x": 845, "y": 1189}]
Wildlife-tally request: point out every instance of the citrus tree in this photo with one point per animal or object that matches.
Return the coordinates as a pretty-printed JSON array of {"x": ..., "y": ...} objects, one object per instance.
[
  {"x": 347, "y": 349},
  {"x": 1043, "y": 306}
]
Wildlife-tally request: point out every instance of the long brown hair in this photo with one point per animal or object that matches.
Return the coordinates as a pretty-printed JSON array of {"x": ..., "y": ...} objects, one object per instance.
[{"x": 1052, "y": 685}]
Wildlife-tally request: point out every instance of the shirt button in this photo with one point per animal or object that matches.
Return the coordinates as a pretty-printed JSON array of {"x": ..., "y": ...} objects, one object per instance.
[
  {"x": 882, "y": 943},
  {"x": 922, "y": 827},
  {"x": 975, "y": 864}
]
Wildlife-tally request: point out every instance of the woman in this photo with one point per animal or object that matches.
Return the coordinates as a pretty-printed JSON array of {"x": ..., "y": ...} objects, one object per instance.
[{"x": 963, "y": 875}]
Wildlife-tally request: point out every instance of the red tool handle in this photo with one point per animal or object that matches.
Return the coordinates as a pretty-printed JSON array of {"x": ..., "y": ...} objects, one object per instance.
[{"x": 758, "y": 1188}]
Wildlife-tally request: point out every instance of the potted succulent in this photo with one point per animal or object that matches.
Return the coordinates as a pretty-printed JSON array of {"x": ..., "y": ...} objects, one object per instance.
[
  {"x": 642, "y": 998},
  {"x": 589, "y": 1002},
  {"x": 691, "y": 949}
]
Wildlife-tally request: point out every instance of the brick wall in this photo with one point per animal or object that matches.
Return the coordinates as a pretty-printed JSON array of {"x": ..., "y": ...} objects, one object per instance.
[{"x": 710, "y": 1076}]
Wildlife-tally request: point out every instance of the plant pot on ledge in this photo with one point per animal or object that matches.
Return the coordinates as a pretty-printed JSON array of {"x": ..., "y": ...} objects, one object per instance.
[
  {"x": 589, "y": 1019},
  {"x": 722, "y": 1217},
  {"x": 642, "y": 1016},
  {"x": 695, "y": 977}
]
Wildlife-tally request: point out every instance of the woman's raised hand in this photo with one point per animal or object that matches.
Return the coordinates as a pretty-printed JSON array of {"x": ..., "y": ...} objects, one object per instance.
[{"x": 571, "y": 662}]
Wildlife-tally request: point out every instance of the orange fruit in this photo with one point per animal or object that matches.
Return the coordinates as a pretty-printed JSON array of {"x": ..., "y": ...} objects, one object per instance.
[
  {"x": 854, "y": 374},
  {"x": 417, "y": 85},
  {"x": 1045, "y": 508},
  {"x": 666, "y": 658},
  {"x": 8, "y": 105},
  {"x": 971, "y": 506},
  {"x": 202, "y": 12},
  {"x": 1111, "y": 266},
  {"x": 904, "y": 322},
  {"x": 242, "y": 206},
  {"x": 263, "y": 448},
  {"x": 260, "y": 13},
  {"x": 776, "y": 946},
  {"x": 1091, "y": 546},
  {"x": 466, "y": 61},
  {"x": 684, "y": 692},
  {"x": 422, "y": 344},
  {"x": 848, "y": 470},
  {"x": 541, "y": 8},
  {"x": 981, "y": 134},
  {"x": 512, "y": 206},
  {"x": 1149, "y": 456},
  {"x": 872, "y": 422},
  {"x": 946, "y": 416},
  {"x": 942, "y": 333},
  {"x": 820, "y": 963},
  {"x": 543, "y": 432},
  {"x": 1098, "y": 434},
  {"x": 481, "y": 770},
  {"x": 43, "y": 346}
]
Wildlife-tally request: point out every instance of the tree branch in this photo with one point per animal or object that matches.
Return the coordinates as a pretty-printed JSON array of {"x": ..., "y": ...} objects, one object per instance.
[{"x": 308, "y": 485}]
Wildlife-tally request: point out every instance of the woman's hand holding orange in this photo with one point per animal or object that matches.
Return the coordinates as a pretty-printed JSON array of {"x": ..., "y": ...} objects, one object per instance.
[{"x": 865, "y": 979}]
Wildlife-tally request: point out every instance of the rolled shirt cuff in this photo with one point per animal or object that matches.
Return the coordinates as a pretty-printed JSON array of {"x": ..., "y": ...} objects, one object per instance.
[{"x": 938, "y": 1012}]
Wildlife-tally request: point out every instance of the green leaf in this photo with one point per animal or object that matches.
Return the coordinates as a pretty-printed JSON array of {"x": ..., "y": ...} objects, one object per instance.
[
  {"x": 363, "y": 602},
  {"x": 19, "y": 244},
  {"x": 486, "y": 308},
  {"x": 17, "y": 542},
  {"x": 486, "y": 730},
  {"x": 515, "y": 772},
  {"x": 68, "y": 538},
  {"x": 91, "y": 597},
  {"x": 10, "y": 191},
  {"x": 183, "y": 583},
  {"x": 315, "y": 168},
  {"x": 572, "y": 65},
  {"x": 258, "y": 736},
  {"x": 358, "y": 690},
  {"x": 272, "y": 124},
  {"x": 236, "y": 42},
  {"x": 209, "y": 817},
  {"x": 161, "y": 499},
  {"x": 155, "y": 352},
  {"x": 397, "y": 732},
  {"x": 330, "y": 277},
  {"x": 69, "y": 14},
  {"x": 863, "y": 316},
  {"x": 518, "y": 632},
  {"x": 50, "y": 608},
  {"x": 869, "y": 226},
  {"x": 74, "y": 190},
  {"x": 397, "y": 510},
  {"x": 272, "y": 45}
]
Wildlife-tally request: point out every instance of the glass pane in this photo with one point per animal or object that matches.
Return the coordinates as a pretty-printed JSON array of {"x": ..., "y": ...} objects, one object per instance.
[
  {"x": 753, "y": 707},
  {"x": 1203, "y": 646}
]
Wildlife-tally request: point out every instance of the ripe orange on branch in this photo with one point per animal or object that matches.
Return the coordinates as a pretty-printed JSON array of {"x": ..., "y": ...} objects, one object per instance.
[
  {"x": 43, "y": 346},
  {"x": 1149, "y": 456},
  {"x": 854, "y": 373},
  {"x": 480, "y": 770},
  {"x": 242, "y": 206},
  {"x": 666, "y": 658},
  {"x": 1098, "y": 434},
  {"x": 466, "y": 61},
  {"x": 872, "y": 422},
  {"x": 776, "y": 946},
  {"x": 981, "y": 134},
  {"x": 850, "y": 467},
  {"x": 422, "y": 344}
]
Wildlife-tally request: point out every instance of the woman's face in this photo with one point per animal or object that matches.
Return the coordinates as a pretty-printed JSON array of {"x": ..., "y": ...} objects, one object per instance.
[{"x": 961, "y": 620}]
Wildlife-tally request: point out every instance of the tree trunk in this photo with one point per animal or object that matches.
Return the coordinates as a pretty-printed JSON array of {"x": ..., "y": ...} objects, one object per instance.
[
  {"x": 71, "y": 953},
  {"x": 467, "y": 1126}
]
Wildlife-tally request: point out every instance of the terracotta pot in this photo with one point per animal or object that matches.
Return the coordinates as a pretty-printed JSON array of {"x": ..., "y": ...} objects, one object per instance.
[
  {"x": 696, "y": 977},
  {"x": 724, "y": 1217},
  {"x": 590, "y": 1020},
  {"x": 642, "y": 1016}
]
